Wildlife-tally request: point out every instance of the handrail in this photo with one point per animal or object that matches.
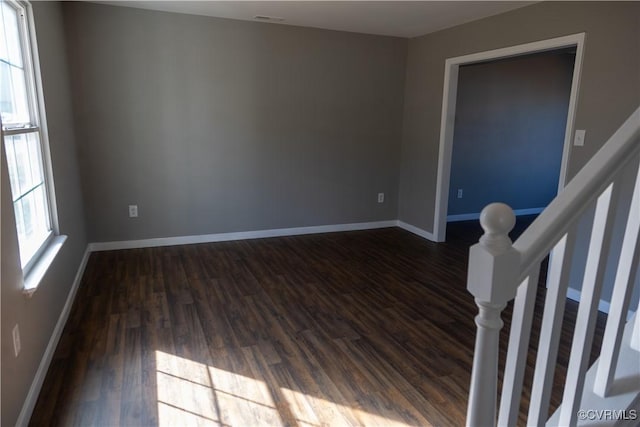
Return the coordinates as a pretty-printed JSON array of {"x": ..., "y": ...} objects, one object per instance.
[
  {"x": 499, "y": 272},
  {"x": 549, "y": 227}
]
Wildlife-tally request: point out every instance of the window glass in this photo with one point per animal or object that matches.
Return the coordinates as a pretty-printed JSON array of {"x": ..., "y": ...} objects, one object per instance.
[{"x": 22, "y": 135}]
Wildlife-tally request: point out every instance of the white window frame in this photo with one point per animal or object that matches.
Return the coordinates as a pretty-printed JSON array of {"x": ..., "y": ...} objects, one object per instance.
[{"x": 33, "y": 270}]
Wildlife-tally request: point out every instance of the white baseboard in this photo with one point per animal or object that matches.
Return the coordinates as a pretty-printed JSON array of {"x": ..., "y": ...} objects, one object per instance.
[
  {"x": 574, "y": 295},
  {"x": 603, "y": 306},
  {"x": 472, "y": 216},
  {"x": 417, "y": 231},
  {"x": 34, "y": 391},
  {"x": 241, "y": 235}
]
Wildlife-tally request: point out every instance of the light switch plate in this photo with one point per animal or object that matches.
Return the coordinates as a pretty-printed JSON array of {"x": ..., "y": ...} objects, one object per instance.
[{"x": 578, "y": 140}]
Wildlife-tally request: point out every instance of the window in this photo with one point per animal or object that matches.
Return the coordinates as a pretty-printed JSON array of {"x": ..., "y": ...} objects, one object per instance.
[{"x": 24, "y": 133}]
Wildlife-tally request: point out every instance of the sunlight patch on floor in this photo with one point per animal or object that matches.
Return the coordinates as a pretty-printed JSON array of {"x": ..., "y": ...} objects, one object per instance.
[
  {"x": 333, "y": 411},
  {"x": 185, "y": 396},
  {"x": 194, "y": 394}
]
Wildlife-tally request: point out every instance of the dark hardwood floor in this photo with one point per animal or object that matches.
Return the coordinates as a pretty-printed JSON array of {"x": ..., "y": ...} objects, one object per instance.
[{"x": 361, "y": 328}]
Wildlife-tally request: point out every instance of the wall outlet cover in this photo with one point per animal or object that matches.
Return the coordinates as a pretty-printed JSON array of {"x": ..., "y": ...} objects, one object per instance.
[
  {"x": 579, "y": 138},
  {"x": 16, "y": 340}
]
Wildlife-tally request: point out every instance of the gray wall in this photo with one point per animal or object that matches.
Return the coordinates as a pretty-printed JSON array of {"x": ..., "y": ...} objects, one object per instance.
[
  {"x": 38, "y": 315},
  {"x": 609, "y": 91},
  {"x": 509, "y": 131},
  {"x": 213, "y": 125}
]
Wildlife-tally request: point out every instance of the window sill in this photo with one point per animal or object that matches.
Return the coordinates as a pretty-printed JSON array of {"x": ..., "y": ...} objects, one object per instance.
[{"x": 37, "y": 272}]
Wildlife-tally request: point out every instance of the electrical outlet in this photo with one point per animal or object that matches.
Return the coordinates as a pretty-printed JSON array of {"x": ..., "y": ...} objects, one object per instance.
[
  {"x": 459, "y": 193},
  {"x": 16, "y": 340},
  {"x": 380, "y": 197},
  {"x": 133, "y": 211}
]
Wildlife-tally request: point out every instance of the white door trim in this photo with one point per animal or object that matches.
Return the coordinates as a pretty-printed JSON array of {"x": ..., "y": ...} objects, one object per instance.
[{"x": 449, "y": 109}]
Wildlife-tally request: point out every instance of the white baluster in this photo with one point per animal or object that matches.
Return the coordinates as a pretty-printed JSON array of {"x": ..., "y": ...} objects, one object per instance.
[
  {"x": 622, "y": 288},
  {"x": 588, "y": 308},
  {"x": 493, "y": 271},
  {"x": 635, "y": 337},
  {"x": 557, "y": 283},
  {"x": 518, "y": 349}
]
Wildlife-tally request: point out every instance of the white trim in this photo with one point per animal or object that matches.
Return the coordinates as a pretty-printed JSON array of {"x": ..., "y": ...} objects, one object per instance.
[
  {"x": 603, "y": 306},
  {"x": 45, "y": 148},
  {"x": 472, "y": 216},
  {"x": 240, "y": 235},
  {"x": 417, "y": 231},
  {"x": 44, "y": 260},
  {"x": 571, "y": 116},
  {"x": 449, "y": 107},
  {"x": 34, "y": 391},
  {"x": 574, "y": 295}
]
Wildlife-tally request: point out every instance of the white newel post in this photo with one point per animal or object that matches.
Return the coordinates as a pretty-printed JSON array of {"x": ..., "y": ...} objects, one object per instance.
[{"x": 493, "y": 272}]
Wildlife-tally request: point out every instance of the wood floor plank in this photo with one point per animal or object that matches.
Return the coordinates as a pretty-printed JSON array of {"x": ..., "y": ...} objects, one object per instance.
[
  {"x": 344, "y": 329},
  {"x": 131, "y": 398}
]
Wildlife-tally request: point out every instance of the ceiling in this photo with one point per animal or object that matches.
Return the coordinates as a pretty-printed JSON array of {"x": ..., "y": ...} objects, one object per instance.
[{"x": 390, "y": 18}]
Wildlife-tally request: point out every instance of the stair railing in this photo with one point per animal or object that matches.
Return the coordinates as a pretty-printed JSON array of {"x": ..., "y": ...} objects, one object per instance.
[{"x": 500, "y": 271}]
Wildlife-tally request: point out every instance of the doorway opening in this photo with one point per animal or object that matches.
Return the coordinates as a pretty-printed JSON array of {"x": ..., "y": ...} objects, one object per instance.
[{"x": 475, "y": 65}]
